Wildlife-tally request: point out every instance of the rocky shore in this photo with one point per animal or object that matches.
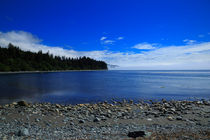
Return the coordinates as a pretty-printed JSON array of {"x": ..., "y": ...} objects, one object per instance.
[{"x": 116, "y": 120}]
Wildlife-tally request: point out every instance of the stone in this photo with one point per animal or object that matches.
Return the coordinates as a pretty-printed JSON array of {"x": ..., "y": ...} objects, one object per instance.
[
  {"x": 131, "y": 101},
  {"x": 57, "y": 105},
  {"x": 2, "y": 118},
  {"x": 57, "y": 110},
  {"x": 81, "y": 121},
  {"x": 119, "y": 114},
  {"x": 164, "y": 100},
  {"x": 105, "y": 102},
  {"x": 206, "y": 102},
  {"x": 81, "y": 105},
  {"x": 71, "y": 123},
  {"x": 136, "y": 134},
  {"x": 97, "y": 119},
  {"x": 26, "y": 132},
  {"x": 173, "y": 109},
  {"x": 148, "y": 134},
  {"x": 23, "y": 132},
  {"x": 156, "y": 115},
  {"x": 128, "y": 109},
  {"x": 114, "y": 102},
  {"x": 198, "y": 123},
  {"x": 37, "y": 120},
  {"x": 170, "y": 118},
  {"x": 14, "y": 103},
  {"x": 109, "y": 111},
  {"x": 22, "y": 103},
  {"x": 149, "y": 119},
  {"x": 108, "y": 115},
  {"x": 179, "y": 118}
]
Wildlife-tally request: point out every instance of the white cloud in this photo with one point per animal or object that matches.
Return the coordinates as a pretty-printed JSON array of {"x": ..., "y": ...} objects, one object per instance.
[
  {"x": 26, "y": 41},
  {"x": 188, "y": 41},
  {"x": 120, "y": 38},
  {"x": 195, "y": 56},
  {"x": 189, "y": 56},
  {"x": 108, "y": 42},
  {"x": 103, "y": 38},
  {"x": 144, "y": 46},
  {"x": 105, "y": 41}
]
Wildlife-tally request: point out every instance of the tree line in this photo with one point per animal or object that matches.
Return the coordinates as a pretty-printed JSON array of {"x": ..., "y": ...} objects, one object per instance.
[{"x": 13, "y": 58}]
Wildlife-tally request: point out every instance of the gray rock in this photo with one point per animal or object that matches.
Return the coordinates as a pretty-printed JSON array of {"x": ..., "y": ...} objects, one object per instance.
[
  {"x": 136, "y": 134},
  {"x": 23, "y": 132},
  {"x": 2, "y": 118},
  {"x": 179, "y": 118},
  {"x": 131, "y": 101},
  {"x": 97, "y": 119},
  {"x": 170, "y": 118},
  {"x": 109, "y": 111},
  {"x": 57, "y": 105},
  {"x": 81, "y": 121},
  {"x": 37, "y": 120},
  {"x": 22, "y": 103},
  {"x": 71, "y": 123},
  {"x": 148, "y": 134},
  {"x": 119, "y": 114}
]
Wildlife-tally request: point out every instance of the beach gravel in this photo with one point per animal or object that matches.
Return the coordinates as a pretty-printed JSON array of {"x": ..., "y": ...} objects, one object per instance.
[{"x": 118, "y": 120}]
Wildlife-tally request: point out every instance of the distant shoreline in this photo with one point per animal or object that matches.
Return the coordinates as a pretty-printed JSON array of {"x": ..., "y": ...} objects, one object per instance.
[{"x": 16, "y": 72}]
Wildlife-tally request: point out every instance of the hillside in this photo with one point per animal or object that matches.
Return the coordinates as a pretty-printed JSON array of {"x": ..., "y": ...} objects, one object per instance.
[{"x": 13, "y": 58}]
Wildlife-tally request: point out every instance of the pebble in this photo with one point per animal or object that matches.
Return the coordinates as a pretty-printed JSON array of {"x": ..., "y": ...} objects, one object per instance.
[
  {"x": 81, "y": 121},
  {"x": 149, "y": 119},
  {"x": 116, "y": 121},
  {"x": 36, "y": 120},
  {"x": 22, "y": 103},
  {"x": 136, "y": 134},
  {"x": 23, "y": 132},
  {"x": 179, "y": 118},
  {"x": 170, "y": 118},
  {"x": 97, "y": 119}
]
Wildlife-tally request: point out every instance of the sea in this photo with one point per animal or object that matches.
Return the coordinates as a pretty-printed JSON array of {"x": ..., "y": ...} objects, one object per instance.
[{"x": 75, "y": 87}]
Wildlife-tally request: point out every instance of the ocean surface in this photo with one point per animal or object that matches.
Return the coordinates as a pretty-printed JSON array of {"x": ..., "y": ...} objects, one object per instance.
[{"x": 95, "y": 86}]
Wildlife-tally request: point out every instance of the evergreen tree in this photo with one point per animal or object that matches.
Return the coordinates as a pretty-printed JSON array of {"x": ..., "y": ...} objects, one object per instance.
[{"x": 14, "y": 59}]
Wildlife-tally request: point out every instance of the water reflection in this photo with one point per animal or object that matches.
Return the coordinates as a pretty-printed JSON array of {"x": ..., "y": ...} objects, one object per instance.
[{"x": 90, "y": 86}]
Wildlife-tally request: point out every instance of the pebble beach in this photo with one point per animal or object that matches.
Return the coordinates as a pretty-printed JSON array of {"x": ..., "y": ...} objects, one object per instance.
[{"x": 117, "y": 120}]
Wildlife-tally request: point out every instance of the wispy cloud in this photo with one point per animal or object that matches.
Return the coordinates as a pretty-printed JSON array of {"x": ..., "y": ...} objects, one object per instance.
[
  {"x": 188, "y": 41},
  {"x": 103, "y": 38},
  {"x": 108, "y": 42},
  {"x": 189, "y": 56},
  {"x": 144, "y": 46},
  {"x": 120, "y": 38}
]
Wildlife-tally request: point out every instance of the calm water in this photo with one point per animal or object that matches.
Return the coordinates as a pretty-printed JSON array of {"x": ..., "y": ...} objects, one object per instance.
[{"x": 93, "y": 86}]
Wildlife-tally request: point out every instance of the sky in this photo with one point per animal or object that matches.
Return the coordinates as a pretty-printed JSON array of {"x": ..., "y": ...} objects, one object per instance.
[{"x": 132, "y": 34}]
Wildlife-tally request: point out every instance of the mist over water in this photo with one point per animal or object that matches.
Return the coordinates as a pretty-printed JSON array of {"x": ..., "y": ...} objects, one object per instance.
[{"x": 93, "y": 86}]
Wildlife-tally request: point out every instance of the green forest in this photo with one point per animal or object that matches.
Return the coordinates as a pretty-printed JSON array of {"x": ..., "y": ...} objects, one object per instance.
[{"x": 13, "y": 58}]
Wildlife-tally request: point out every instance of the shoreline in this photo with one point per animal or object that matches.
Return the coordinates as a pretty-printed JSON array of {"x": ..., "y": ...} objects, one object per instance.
[
  {"x": 17, "y": 72},
  {"x": 103, "y": 120}
]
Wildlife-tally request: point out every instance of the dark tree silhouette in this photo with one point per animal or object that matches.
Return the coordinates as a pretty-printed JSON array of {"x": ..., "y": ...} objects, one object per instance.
[{"x": 15, "y": 59}]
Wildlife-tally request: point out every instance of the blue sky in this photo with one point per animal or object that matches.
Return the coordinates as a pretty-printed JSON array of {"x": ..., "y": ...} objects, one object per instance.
[{"x": 134, "y": 34}]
